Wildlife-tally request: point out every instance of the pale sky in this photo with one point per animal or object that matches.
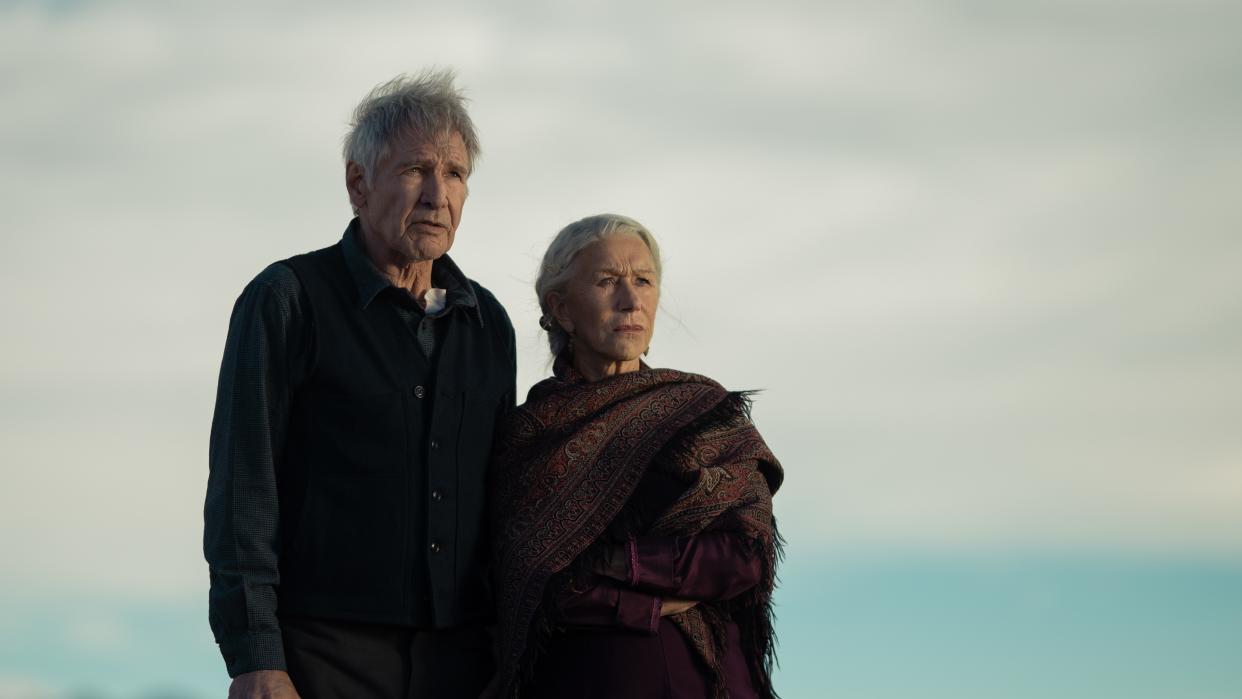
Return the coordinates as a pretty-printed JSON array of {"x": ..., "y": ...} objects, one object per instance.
[{"x": 982, "y": 257}]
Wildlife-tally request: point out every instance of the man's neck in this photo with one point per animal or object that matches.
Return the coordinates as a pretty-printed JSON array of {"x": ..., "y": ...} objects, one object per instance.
[{"x": 412, "y": 275}]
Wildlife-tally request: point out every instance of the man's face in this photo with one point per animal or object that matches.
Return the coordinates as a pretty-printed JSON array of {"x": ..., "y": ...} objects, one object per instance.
[{"x": 410, "y": 210}]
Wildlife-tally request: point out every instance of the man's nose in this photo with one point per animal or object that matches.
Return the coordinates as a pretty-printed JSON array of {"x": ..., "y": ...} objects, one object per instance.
[{"x": 433, "y": 192}]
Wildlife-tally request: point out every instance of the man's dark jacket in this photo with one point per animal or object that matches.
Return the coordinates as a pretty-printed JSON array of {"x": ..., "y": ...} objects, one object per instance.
[{"x": 370, "y": 503}]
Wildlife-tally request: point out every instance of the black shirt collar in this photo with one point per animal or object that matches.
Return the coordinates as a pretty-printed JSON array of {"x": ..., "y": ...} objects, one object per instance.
[{"x": 445, "y": 274}]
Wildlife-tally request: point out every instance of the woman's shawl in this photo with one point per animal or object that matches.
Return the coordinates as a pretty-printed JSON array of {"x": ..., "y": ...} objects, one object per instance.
[{"x": 568, "y": 460}]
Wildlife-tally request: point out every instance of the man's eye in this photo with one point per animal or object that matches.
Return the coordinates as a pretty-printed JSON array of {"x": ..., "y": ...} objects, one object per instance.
[
  {"x": 607, "y": 281},
  {"x": 644, "y": 281}
]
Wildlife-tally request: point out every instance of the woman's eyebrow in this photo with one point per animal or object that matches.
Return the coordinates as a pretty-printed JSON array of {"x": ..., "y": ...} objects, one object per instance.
[{"x": 622, "y": 272}]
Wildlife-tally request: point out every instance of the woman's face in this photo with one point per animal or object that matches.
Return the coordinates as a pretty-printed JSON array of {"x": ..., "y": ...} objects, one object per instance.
[{"x": 609, "y": 305}]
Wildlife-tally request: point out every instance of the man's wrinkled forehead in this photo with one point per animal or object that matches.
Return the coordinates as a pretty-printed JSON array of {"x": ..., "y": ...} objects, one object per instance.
[{"x": 446, "y": 143}]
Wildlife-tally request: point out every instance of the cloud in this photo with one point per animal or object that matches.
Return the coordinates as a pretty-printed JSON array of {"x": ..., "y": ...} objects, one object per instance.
[
  {"x": 982, "y": 257},
  {"x": 21, "y": 687}
]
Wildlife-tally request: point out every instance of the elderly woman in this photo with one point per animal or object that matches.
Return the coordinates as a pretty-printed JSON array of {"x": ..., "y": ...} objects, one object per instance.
[{"x": 634, "y": 545}]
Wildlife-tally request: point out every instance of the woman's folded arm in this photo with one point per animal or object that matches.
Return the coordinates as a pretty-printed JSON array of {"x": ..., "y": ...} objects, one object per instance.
[{"x": 609, "y": 604}]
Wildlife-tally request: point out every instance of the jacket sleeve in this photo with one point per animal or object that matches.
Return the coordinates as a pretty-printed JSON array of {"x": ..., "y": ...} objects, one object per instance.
[
  {"x": 509, "y": 401},
  {"x": 609, "y": 604},
  {"x": 715, "y": 565},
  {"x": 241, "y": 514},
  {"x": 710, "y": 566}
]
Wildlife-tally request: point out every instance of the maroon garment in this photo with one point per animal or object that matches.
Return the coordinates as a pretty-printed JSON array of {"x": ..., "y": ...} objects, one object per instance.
[
  {"x": 716, "y": 565},
  {"x": 630, "y": 665},
  {"x": 614, "y": 642},
  {"x": 581, "y": 468},
  {"x": 609, "y": 605}
]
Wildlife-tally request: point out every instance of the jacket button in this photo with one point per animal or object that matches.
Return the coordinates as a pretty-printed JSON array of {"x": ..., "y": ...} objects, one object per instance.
[
  {"x": 437, "y": 495},
  {"x": 419, "y": 392},
  {"x": 435, "y": 547},
  {"x": 435, "y": 444}
]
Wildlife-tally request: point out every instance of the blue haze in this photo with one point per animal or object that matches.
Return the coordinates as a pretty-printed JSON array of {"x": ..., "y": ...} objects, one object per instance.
[{"x": 863, "y": 627}]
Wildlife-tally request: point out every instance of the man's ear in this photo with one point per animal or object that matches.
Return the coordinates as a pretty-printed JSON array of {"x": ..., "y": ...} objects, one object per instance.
[
  {"x": 556, "y": 304},
  {"x": 356, "y": 184}
]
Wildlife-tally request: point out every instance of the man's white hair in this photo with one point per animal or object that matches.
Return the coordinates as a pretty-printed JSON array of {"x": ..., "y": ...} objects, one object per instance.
[{"x": 426, "y": 104}]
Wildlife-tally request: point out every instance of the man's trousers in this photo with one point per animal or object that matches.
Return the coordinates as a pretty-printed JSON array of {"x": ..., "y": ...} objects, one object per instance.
[{"x": 347, "y": 660}]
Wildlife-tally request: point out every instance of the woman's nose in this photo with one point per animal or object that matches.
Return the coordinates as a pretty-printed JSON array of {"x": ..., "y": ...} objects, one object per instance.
[{"x": 628, "y": 297}]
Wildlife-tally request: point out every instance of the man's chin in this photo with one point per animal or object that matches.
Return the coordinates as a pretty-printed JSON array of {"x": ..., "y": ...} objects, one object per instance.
[{"x": 425, "y": 253}]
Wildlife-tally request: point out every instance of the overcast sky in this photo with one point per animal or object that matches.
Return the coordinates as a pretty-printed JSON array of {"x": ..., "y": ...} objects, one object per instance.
[{"x": 982, "y": 257}]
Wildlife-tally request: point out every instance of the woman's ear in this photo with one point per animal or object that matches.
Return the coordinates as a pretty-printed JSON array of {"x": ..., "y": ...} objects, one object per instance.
[{"x": 560, "y": 311}]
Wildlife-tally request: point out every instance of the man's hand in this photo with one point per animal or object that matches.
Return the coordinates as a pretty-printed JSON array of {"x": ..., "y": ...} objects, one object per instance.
[
  {"x": 672, "y": 605},
  {"x": 263, "y": 684}
]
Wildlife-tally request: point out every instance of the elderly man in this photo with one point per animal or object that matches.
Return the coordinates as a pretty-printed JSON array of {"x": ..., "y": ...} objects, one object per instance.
[{"x": 358, "y": 392}]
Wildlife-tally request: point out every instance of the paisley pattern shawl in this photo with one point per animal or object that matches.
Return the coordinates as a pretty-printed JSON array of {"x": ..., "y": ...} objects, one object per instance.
[{"x": 568, "y": 460}]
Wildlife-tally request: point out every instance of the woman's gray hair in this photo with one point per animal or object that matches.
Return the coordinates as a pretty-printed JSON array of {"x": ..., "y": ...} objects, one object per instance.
[
  {"x": 555, "y": 270},
  {"x": 425, "y": 104}
]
